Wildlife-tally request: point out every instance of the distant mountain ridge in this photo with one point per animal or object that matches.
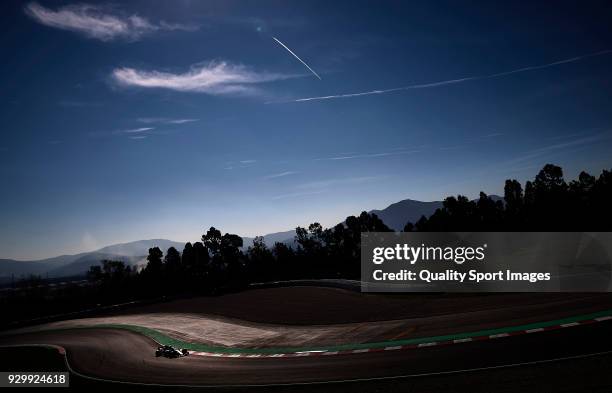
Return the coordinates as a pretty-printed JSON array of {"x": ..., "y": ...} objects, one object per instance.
[
  {"x": 271, "y": 238},
  {"x": 140, "y": 247},
  {"x": 82, "y": 264},
  {"x": 398, "y": 214},
  {"x": 395, "y": 216},
  {"x": 71, "y": 265}
]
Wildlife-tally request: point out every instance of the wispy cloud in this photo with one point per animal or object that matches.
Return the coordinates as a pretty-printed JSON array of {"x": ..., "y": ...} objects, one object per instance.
[
  {"x": 139, "y": 137},
  {"x": 451, "y": 81},
  {"x": 239, "y": 164},
  {"x": 367, "y": 155},
  {"x": 137, "y": 130},
  {"x": 99, "y": 22},
  {"x": 134, "y": 133},
  {"x": 493, "y": 135},
  {"x": 164, "y": 120},
  {"x": 569, "y": 136},
  {"x": 277, "y": 175},
  {"x": 296, "y": 56},
  {"x": 338, "y": 181},
  {"x": 455, "y": 147},
  {"x": 525, "y": 162},
  {"x": 553, "y": 148},
  {"x": 214, "y": 78}
]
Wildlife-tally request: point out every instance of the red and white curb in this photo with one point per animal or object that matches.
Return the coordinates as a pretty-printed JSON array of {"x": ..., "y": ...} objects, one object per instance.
[{"x": 324, "y": 352}]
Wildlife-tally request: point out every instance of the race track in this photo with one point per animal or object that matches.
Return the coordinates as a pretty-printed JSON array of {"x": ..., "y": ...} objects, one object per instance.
[{"x": 123, "y": 355}]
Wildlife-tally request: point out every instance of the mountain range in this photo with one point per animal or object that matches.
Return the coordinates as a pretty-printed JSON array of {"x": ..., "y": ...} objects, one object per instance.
[
  {"x": 133, "y": 253},
  {"x": 395, "y": 216}
]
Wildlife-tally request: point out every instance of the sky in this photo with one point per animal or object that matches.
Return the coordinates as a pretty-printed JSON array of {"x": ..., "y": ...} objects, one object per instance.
[{"x": 158, "y": 119}]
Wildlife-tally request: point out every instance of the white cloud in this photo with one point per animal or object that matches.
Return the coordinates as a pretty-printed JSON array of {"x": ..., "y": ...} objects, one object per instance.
[
  {"x": 137, "y": 130},
  {"x": 239, "y": 164},
  {"x": 277, "y": 175},
  {"x": 215, "y": 78},
  {"x": 99, "y": 22},
  {"x": 165, "y": 120},
  {"x": 367, "y": 155},
  {"x": 181, "y": 121}
]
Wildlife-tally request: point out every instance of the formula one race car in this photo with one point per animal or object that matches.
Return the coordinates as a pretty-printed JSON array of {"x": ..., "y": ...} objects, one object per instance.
[{"x": 170, "y": 352}]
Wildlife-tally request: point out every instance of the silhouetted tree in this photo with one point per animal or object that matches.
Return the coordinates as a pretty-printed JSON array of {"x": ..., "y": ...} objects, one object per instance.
[
  {"x": 172, "y": 263},
  {"x": 285, "y": 260},
  {"x": 212, "y": 241},
  {"x": 489, "y": 214},
  {"x": 548, "y": 204},
  {"x": 226, "y": 257},
  {"x": 549, "y": 181},
  {"x": 261, "y": 261},
  {"x": 187, "y": 260},
  {"x": 200, "y": 270},
  {"x": 513, "y": 196},
  {"x": 550, "y": 199},
  {"x": 600, "y": 200},
  {"x": 113, "y": 278},
  {"x": 94, "y": 273},
  {"x": 233, "y": 260},
  {"x": 115, "y": 270},
  {"x": 154, "y": 269},
  {"x": 579, "y": 198}
]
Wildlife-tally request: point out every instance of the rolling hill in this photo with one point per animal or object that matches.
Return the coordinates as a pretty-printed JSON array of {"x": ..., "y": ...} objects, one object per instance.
[
  {"x": 71, "y": 265},
  {"x": 398, "y": 214},
  {"x": 395, "y": 216}
]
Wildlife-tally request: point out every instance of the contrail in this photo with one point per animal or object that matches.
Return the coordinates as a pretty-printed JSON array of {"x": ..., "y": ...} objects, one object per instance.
[
  {"x": 297, "y": 57},
  {"x": 451, "y": 81}
]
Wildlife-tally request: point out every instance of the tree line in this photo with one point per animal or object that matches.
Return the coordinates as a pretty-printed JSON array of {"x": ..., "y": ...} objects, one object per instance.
[
  {"x": 547, "y": 203},
  {"x": 219, "y": 262}
]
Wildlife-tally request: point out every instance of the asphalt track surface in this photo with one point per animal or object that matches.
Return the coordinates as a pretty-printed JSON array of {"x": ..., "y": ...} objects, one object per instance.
[
  {"x": 118, "y": 355},
  {"x": 125, "y": 356},
  {"x": 581, "y": 351}
]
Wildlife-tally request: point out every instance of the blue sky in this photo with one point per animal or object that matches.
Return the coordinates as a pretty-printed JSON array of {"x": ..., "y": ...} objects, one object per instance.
[{"x": 159, "y": 119}]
